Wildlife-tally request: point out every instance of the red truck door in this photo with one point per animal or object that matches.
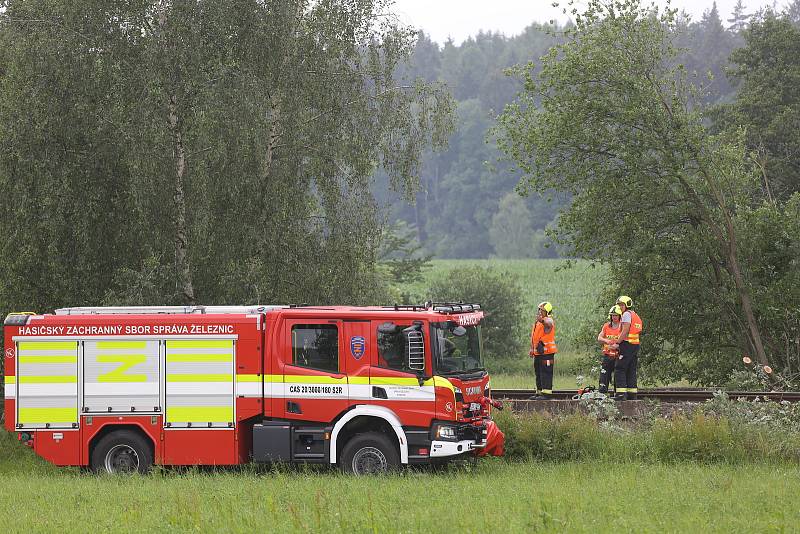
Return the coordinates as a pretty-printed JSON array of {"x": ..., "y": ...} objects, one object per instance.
[
  {"x": 357, "y": 353},
  {"x": 314, "y": 384},
  {"x": 392, "y": 383}
]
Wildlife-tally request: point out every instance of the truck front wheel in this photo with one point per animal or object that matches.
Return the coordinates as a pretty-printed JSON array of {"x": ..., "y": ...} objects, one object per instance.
[
  {"x": 123, "y": 451},
  {"x": 370, "y": 453}
]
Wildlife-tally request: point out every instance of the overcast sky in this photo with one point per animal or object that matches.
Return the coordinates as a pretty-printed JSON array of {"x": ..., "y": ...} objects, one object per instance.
[{"x": 461, "y": 18}]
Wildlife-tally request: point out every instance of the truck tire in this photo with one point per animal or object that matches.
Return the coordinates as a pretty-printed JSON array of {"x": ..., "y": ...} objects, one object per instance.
[
  {"x": 122, "y": 451},
  {"x": 370, "y": 453}
]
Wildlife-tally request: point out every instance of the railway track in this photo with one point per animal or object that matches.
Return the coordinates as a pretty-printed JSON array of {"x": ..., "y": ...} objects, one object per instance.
[{"x": 661, "y": 394}]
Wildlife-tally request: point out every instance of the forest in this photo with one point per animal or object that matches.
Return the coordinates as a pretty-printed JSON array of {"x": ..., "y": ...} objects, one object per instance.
[{"x": 445, "y": 217}]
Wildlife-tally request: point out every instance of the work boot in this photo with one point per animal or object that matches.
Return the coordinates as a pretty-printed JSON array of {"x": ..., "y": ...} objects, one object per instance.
[
  {"x": 631, "y": 396},
  {"x": 542, "y": 397}
]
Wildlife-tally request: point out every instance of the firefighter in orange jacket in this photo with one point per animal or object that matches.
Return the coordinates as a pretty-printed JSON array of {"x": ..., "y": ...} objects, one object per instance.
[
  {"x": 543, "y": 350},
  {"x": 626, "y": 366},
  {"x": 608, "y": 338}
]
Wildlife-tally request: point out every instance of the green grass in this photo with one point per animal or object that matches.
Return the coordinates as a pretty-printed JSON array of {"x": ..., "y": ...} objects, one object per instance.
[{"x": 492, "y": 496}]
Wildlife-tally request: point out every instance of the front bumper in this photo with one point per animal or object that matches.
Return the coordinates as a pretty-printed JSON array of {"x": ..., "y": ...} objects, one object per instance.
[
  {"x": 440, "y": 449},
  {"x": 483, "y": 438}
]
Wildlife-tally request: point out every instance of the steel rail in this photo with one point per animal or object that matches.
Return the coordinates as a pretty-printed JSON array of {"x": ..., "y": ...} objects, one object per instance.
[{"x": 662, "y": 394}]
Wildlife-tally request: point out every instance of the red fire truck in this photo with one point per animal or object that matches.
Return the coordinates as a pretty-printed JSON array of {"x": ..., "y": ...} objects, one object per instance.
[{"x": 365, "y": 388}]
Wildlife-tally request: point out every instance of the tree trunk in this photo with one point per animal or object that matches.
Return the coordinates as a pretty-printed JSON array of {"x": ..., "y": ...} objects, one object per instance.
[
  {"x": 182, "y": 263},
  {"x": 744, "y": 296}
]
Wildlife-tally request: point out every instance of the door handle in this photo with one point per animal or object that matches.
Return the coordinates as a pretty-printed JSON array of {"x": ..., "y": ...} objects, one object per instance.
[{"x": 379, "y": 392}]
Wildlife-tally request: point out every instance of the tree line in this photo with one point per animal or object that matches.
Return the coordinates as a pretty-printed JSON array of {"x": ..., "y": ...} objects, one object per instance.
[
  {"x": 467, "y": 206},
  {"x": 194, "y": 151}
]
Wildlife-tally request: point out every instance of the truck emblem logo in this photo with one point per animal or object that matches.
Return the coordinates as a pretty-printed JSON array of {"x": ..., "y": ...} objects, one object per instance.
[
  {"x": 9, "y": 352},
  {"x": 357, "y": 346},
  {"x": 449, "y": 406}
]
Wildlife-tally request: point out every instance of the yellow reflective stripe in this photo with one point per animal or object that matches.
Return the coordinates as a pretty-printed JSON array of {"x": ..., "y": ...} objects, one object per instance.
[
  {"x": 48, "y": 359},
  {"x": 175, "y": 358},
  {"x": 314, "y": 379},
  {"x": 209, "y": 414},
  {"x": 48, "y": 345},
  {"x": 622, "y": 390},
  {"x": 199, "y": 343},
  {"x": 358, "y": 380},
  {"x": 33, "y": 379},
  {"x": 633, "y": 390},
  {"x": 122, "y": 344},
  {"x": 394, "y": 381},
  {"x": 47, "y": 415},
  {"x": 199, "y": 378},
  {"x": 11, "y": 379},
  {"x": 547, "y": 391},
  {"x": 126, "y": 361},
  {"x": 274, "y": 379},
  {"x": 441, "y": 382},
  {"x": 248, "y": 378}
]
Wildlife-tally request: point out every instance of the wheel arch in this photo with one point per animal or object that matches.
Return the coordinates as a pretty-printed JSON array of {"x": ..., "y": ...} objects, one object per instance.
[
  {"x": 110, "y": 428},
  {"x": 368, "y": 418}
]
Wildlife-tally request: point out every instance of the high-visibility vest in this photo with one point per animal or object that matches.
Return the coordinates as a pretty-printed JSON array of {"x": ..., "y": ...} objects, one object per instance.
[
  {"x": 610, "y": 332},
  {"x": 548, "y": 339},
  {"x": 636, "y": 328}
]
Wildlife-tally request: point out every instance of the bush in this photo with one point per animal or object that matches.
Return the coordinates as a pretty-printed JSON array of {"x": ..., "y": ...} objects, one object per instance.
[
  {"x": 501, "y": 298},
  {"x": 721, "y": 430}
]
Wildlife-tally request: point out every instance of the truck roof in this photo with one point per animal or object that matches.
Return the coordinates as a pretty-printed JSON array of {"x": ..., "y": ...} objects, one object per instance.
[{"x": 430, "y": 310}]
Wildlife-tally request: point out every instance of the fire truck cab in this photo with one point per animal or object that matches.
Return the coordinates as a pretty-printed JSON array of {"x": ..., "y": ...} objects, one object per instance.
[{"x": 365, "y": 388}]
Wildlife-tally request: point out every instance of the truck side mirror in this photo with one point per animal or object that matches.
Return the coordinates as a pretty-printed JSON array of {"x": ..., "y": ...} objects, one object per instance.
[{"x": 388, "y": 328}]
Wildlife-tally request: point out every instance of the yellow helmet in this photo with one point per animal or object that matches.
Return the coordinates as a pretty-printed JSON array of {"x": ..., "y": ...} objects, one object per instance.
[
  {"x": 626, "y": 300},
  {"x": 546, "y": 307},
  {"x": 615, "y": 310}
]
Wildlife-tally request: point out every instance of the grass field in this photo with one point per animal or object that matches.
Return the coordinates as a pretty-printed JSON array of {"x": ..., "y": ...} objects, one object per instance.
[
  {"x": 574, "y": 292},
  {"x": 492, "y": 496}
]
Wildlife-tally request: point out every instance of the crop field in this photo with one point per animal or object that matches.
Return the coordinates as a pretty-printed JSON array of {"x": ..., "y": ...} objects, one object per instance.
[
  {"x": 493, "y": 495},
  {"x": 574, "y": 292}
]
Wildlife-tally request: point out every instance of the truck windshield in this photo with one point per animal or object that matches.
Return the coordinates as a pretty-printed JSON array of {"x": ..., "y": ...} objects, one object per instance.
[{"x": 457, "y": 349}]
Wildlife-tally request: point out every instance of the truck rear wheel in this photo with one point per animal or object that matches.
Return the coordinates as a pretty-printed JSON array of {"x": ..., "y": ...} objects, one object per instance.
[
  {"x": 123, "y": 451},
  {"x": 370, "y": 453}
]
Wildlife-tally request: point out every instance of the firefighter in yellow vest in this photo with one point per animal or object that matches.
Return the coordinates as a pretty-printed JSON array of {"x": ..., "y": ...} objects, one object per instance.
[
  {"x": 543, "y": 350},
  {"x": 608, "y": 337},
  {"x": 626, "y": 366}
]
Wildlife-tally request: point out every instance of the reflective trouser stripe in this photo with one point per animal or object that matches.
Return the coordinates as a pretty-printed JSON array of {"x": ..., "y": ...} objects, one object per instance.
[
  {"x": 547, "y": 391},
  {"x": 622, "y": 390},
  {"x": 48, "y": 415},
  {"x": 633, "y": 390}
]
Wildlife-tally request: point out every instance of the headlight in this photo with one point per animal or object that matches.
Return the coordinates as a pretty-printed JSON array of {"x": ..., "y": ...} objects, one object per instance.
[{"x": 446, "y": 432}]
